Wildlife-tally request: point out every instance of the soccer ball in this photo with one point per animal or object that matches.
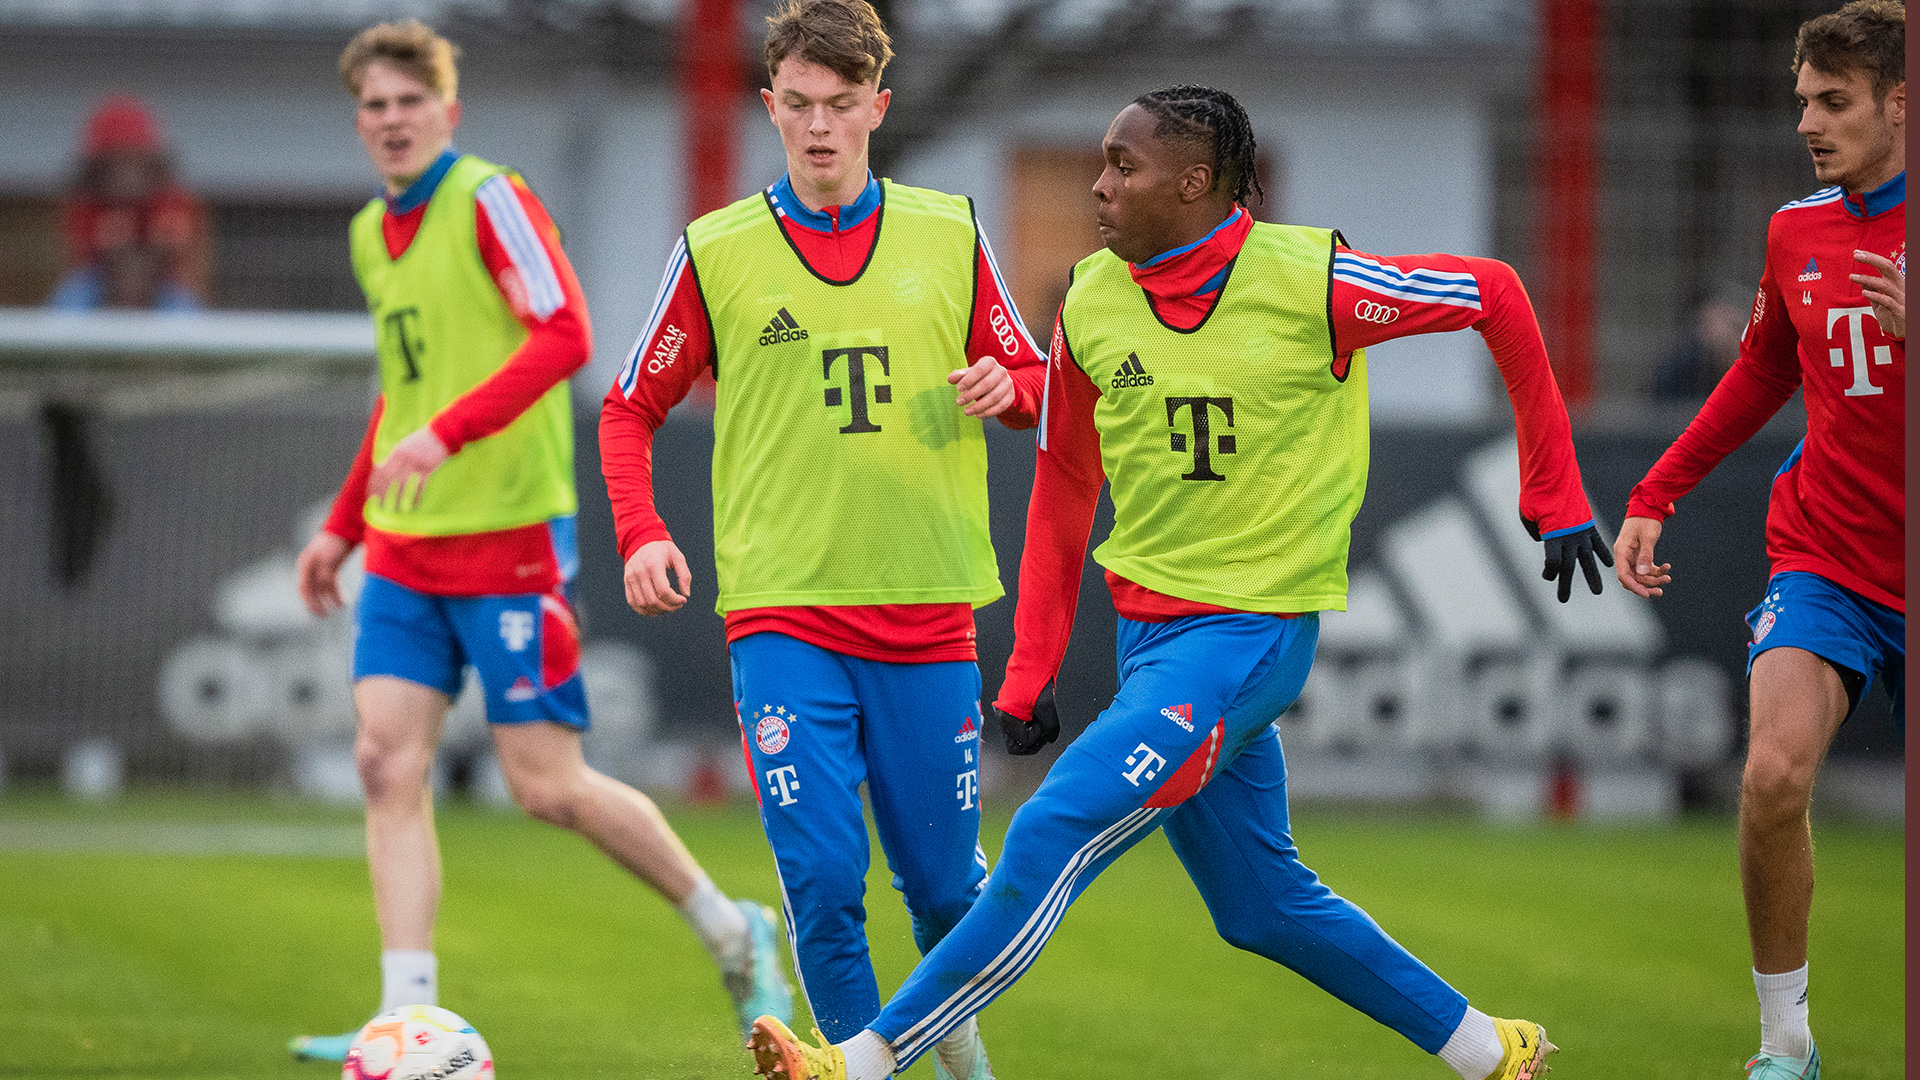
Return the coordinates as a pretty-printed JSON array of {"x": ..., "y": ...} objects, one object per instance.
[{"x": 418, "y": 1042}]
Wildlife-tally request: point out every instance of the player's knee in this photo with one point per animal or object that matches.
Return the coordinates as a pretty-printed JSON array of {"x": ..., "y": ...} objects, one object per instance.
[
  {"x": 552, "y": 799},
  {"x": 1777, "y": 780},
  {"x": 388, "y": 772}
]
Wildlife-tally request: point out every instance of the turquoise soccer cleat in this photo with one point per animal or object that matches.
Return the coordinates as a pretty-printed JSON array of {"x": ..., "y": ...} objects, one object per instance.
[
  {"x": 1767, "y": 1067},
  {"x": 762, "y": 989},
  {"x": 321, "y": 1047}
]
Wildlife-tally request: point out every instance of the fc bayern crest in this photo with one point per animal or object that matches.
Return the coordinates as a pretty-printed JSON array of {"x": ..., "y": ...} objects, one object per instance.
[
  {"x": 1761, "y": 627},
  {"x": 771, "y": 734}
]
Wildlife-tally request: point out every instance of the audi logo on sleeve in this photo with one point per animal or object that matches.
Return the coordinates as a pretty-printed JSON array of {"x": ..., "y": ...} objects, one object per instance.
[{"x": 1368, "y": 311}]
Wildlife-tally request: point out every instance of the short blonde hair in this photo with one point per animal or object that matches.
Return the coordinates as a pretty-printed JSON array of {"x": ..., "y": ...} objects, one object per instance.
[{"x": 411, "y": 46}]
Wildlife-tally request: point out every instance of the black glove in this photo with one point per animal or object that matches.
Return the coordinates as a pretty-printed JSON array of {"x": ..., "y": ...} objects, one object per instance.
[
  {"x": 1028, "y": 736},
  {"x": 1563, "y": 550}
]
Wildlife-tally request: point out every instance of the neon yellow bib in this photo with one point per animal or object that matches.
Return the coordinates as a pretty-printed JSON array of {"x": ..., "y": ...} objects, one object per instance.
[
  {"x": 843, "y": 472},
  {"x": 1237, "y": 458},
  {"x": 443, "y": 328}
]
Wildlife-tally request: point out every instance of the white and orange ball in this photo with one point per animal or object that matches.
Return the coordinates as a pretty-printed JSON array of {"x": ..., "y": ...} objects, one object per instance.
[{"x": 418, "y": 1042}]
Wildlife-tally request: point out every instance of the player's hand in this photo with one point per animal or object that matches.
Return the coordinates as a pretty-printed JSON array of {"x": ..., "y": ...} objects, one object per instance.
[
  {"x": 985, "y": 388},
  {"x": 318, "y": 573},
  {"x": 1582, "y": 547},
  {"x": 414, "y": 458},
  {"x": 1886, "y": 291},
  {"x": 1634, "y": 554},
  {"x": 1028, "y": 736},
  {"x": 649, "y": 590}
]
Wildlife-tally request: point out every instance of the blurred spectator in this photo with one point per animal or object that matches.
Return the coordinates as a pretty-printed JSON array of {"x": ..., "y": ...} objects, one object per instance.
[
  {"x": 1693, "y": 367},
  {"x": 135, "y": 238}
]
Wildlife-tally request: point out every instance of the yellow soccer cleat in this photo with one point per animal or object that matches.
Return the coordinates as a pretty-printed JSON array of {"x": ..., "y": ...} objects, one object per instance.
[
  {"x": 778, "y": 1052},
  {"x": 1526, "y": 1049}
]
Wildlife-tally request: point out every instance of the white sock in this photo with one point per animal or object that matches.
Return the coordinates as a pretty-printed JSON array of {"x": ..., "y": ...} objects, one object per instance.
[
  {"x": 408, "y": 977},
  {"x": 1783, "y": 1014},
  {"x": 1474, "y": 1049},
  {"x": 719, "y": 925},
  {"x": 868, "y": 1056},
  {"x": 957, "y": 1050}
]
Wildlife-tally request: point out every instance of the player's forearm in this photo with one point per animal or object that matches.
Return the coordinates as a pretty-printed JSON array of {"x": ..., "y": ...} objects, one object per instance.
[
  {"x": 1028, "y": 384},
  {"x": 347, "y": 520},
  {"x": 626, "y": 461},
  {"x": 1747, "y": 397},
  {"x": 1551, "y": 496},
  {"x": 553, "y": 351}
]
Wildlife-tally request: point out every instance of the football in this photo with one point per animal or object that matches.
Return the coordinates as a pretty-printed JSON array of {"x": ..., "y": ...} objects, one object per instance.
[{"x": 418, "y": 1042}]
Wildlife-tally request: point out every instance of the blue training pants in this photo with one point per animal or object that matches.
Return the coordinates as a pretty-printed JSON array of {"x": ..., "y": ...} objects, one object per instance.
[
  {"x": 1189, "y": 745},
  {"x": 816, "y": 724}
]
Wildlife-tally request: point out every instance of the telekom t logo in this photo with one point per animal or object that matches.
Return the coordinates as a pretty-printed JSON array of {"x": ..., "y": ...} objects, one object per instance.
[
  {"x": 782, "y": 783},
  {"x": 1144, "y": 764},
  {"x": 1203, "y": 442},
  {"x": 1857, "y": 337},
  {"x": 516, "y": 629},
  {"x": 966, "y": 788},
  {"x": 857, "y": 383}
]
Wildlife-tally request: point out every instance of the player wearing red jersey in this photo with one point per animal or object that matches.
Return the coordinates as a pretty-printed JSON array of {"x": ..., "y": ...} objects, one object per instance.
[
  {"x": 1830, "y": 318},
  {"x": 858, "y": 333},
  {"x": 1212, "y": 369},
  {"x": 462, "y": 493}
]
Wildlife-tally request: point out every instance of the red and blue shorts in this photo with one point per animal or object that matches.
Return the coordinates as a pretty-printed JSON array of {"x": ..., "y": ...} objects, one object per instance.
[
  {"x": 1863, "y": 640},
  {"x": 525, "y": 647}
]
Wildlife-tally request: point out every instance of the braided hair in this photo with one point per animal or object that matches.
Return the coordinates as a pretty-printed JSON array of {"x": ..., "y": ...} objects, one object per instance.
[{"x": 1214, "y": 126}]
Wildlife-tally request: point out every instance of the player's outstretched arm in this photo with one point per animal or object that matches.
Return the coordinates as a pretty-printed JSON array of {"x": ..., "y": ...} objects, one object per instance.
[
  {"x": 318, "y": 573},
  {"x": 650, "y": 591},
  {"x": 1886, "y": 291},
  {"x": 1633, "y": 557}
]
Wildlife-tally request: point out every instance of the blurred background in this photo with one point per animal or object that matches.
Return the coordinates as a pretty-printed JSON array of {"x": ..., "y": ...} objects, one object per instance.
[{"x": 185, "y": 365}]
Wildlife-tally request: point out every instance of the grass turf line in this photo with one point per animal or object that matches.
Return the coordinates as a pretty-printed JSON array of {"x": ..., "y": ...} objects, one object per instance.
[{"x": 1627, "y": 943}]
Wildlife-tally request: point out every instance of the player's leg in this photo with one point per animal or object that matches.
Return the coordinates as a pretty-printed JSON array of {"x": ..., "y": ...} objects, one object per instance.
[
  {"x": 406, "y": 669},
  {"x": 1102, "y": 796},
  {"x": 1816, "y": 648},
  {"x": 526, "y": 649},
  {"x": 800, "y": 721},
  {"x": 923, "y": 724}
]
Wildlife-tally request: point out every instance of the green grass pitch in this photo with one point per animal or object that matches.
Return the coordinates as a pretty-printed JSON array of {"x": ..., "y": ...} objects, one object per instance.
[{"x": 1628, "y": 944}]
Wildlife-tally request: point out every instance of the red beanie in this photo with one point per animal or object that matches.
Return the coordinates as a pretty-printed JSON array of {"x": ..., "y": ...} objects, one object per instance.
[{"x": 121, "y": 122}]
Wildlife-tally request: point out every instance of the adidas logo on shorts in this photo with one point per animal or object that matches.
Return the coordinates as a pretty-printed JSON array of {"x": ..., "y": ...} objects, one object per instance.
[
  {"x": 782, "y": 328},
  {"x": 1132, "y": 373}
]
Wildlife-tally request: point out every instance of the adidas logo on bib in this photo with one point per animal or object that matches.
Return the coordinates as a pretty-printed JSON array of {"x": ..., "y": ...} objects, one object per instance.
[
  {"x": 1132, "y": 373},
  {"x": 782, "y": 328}
]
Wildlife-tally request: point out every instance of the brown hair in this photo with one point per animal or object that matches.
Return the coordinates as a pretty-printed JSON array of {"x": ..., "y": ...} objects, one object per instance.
[
  {"x": 843, "y": 36},
  {"x": 410, "y": 46},
  {"x": 1870, "y": 35}
]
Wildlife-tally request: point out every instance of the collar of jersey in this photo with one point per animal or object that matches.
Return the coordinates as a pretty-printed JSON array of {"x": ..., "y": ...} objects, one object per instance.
[
  {"x": 421, "y": 190},
  {"x": 1880, "y": 199},
  {"x": 788, "y": 205}
]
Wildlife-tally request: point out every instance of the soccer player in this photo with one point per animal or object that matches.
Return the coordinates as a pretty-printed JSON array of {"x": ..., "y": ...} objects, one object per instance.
[
  {"x": 1213, "y": 370},
  {"x": 858, "y": 332},
  {"x": 1829, "y": 317},
  {"x": 463, "y": 494}
]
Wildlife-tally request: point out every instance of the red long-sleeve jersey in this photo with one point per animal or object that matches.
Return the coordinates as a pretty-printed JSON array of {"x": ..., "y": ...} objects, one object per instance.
[
  {"x": 677, "y": 346},
  {"x": 1373, "y": 299},
  {"x": 1838, "y": 506},
  {"x": 520, "y": 248}
]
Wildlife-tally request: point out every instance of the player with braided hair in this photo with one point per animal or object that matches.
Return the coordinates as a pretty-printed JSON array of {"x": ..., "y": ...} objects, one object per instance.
[{"x": 1214, "y": 370}]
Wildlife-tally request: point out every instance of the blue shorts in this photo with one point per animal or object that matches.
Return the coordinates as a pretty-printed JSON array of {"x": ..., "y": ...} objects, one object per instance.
[
  {"x": 1806, "y": 611},
  {"x": 526, "y": 648}
]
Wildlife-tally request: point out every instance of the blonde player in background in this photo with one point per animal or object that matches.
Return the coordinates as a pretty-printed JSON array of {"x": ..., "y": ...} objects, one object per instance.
[{"x": 463, "y": 494}]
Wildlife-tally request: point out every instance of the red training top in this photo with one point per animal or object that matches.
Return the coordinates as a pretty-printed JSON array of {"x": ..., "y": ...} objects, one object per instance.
[
  {"x": 1839, "y": 505},
  {"x": 1373, "y": 299},
  {"x": 677, "y": 345},
  {"x": 559, "y": 341}
]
